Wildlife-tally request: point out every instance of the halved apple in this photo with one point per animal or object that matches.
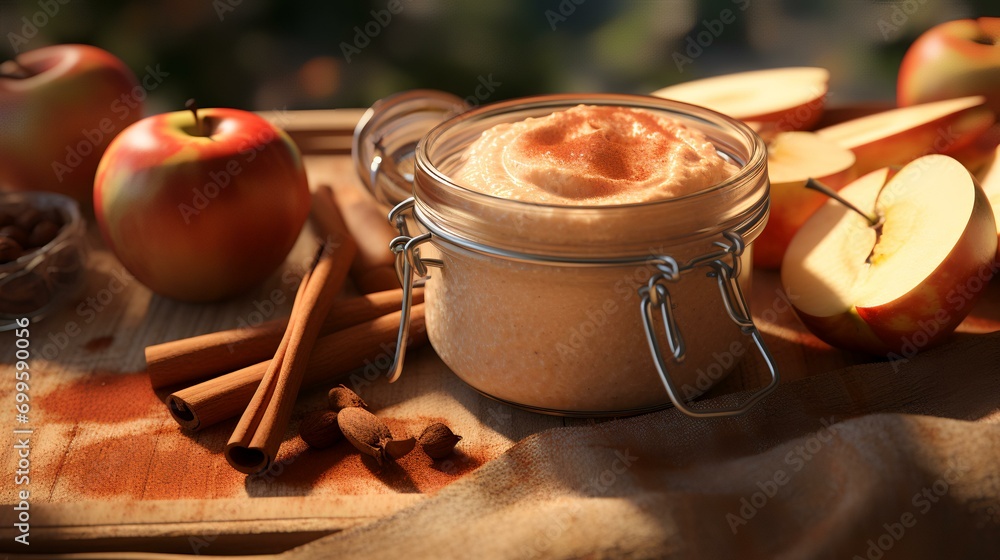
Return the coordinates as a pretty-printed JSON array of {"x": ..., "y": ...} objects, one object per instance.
[
  {"x": 785, "y": 98},
  {"x": 989, "y": 179},
  {"x": 898, "y": 136},
  {"x": 792, "y": 158},
  {"x": 904, "y": 285}
]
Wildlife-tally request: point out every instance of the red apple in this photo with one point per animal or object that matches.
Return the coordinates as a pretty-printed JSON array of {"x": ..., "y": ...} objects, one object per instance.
[
  {"x": 902, "y": 276},
  {"x": 781, "y": 99},
  {"x": 953, "y": 59},
  {"x": 60, "y": 107},
  {"x": 200, "y": 209},
  {"x": 792, "y": 158}
]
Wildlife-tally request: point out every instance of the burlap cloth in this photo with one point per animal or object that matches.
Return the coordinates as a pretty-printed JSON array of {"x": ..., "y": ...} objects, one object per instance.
[{"x": 864, "y": 462}]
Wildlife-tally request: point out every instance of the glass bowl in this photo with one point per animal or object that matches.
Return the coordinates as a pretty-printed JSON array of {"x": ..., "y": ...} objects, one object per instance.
[{"x": 43, "y": 279}]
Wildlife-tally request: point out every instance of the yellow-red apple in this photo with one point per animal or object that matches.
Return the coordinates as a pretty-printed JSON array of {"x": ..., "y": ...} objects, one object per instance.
[
  {"x": 902, "y": 277},
  {"x": 60, "y": 107},
  {"x": 898, "y": 136},
  {"x": 792, "y": 158},
  {"x": 953, "y": 59},
  {"x": 782, "y": 99},
  {"x": 201, "y": 208},
  {"x": 989, "y": 179}
]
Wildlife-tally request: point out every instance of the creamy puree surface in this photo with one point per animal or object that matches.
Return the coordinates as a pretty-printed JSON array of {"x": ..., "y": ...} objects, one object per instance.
[{"x": 593, "y": 155}]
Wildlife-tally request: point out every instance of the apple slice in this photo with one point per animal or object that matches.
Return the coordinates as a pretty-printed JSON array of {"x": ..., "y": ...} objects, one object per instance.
[
  {"x": 898, "y": 136},
  {"x": 785, "y": 98},
  {"x": 905, "y": 284},
  {"x": 792, "y": 158},
  {"x": 977, "y": 155}
]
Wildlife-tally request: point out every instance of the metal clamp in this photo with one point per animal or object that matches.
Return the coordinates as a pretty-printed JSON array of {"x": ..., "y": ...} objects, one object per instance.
[
  {"x": 724, "y": 264},
  {"x": 655, "y": 294},
  {"x": 408, "y": 262}
]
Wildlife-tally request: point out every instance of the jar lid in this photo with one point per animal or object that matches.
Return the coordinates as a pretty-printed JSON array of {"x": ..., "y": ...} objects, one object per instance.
[{"x": 387, "y": 135}]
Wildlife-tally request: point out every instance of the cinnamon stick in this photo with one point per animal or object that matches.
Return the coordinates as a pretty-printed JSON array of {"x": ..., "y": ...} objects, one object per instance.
[
  {"x": 373, "y": 269},
  {"x": 208, "y": 403},
  {"x": 261, "y": 428},
  {"x": 190, "y": 360}
]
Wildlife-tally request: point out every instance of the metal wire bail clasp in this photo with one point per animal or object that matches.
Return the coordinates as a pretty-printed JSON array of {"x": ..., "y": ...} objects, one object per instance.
[
  {"x": 725, "y": 265},
  {"x": 408, "y": 262}
]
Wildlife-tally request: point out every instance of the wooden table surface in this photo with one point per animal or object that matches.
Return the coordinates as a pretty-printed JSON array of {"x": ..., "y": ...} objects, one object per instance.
[{"x": 110, "y": 470}]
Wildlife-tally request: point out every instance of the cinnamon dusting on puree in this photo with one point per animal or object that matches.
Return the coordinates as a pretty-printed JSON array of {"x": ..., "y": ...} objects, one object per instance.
[{"x": 593, "y": 155}]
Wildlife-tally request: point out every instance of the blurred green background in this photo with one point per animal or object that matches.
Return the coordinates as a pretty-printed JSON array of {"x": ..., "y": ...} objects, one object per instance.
[{"x": 261, "y": 55}]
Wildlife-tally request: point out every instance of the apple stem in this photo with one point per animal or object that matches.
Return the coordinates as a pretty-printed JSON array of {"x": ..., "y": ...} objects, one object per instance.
[
  {"x": 18, "y": 72},
  {"x": 817, "y": 186},
  {"x": 199, "y": 123}
]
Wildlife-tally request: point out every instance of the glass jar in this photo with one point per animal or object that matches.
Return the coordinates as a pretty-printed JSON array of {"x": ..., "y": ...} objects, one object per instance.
[{"x": 576, "y": 310}]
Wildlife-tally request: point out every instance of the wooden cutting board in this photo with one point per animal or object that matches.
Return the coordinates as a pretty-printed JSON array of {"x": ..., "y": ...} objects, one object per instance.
[{"x": 110, "y": 470}]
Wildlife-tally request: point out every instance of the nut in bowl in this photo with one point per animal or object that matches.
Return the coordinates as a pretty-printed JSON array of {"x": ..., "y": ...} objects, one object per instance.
[{"x": 42, "y": 254}]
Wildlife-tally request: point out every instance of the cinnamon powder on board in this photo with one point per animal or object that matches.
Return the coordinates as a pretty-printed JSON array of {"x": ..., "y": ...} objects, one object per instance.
[{"x": 101, "y": 397}]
